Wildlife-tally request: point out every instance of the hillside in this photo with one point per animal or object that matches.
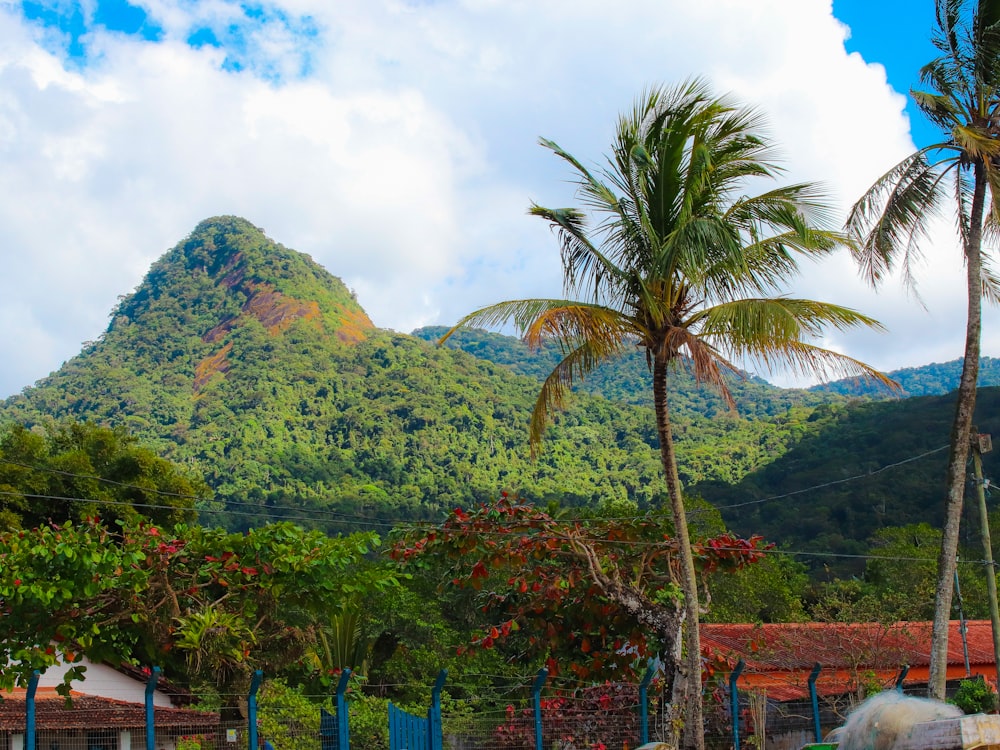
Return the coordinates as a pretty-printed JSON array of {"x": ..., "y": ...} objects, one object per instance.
[
  {"x": 853, "y": 471},
  {"x": 928, "y": 380},
  {"x": 627, "y": 380},
  {"x": 250, "y": 363}
]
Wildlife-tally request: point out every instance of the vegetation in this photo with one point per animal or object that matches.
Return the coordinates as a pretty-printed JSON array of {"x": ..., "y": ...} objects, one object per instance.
[
  {"x": 597, "y": 594},
  {"x": 852, "y": 471},
  {"x": 685, "y": 269},
  {"x": 220, "y": 362},
  {"x": 336, "y": 433},
  {"x": 962, "y": 99},
  {"x": 975, "y": 697},
  {"x": 79, "y": 470},
  {"x": 928, "y": 380},
  {"x": 213, "y": 605},
  {"x": 305, "y": 426}
]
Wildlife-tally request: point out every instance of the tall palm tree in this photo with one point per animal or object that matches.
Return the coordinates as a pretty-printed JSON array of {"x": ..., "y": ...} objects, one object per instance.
[
  {"x": 686, "y": 267},
  {"x": 963, "y": 170}
]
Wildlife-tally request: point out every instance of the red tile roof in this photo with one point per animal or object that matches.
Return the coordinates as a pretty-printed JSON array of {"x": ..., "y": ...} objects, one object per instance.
[
  {"x": 90, "y": 712},
  {"x": 779, "y": 657}
]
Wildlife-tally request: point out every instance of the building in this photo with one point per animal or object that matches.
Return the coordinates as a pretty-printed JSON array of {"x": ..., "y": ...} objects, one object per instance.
[{"x": 107, "y": 712}]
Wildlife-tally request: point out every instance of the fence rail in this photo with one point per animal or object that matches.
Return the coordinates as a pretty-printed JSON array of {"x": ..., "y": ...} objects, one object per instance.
[{"x": 612, "y": 716}]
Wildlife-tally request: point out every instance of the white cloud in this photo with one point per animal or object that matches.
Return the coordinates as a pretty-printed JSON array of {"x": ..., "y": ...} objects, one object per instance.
[{"x": 395, "y": 142}]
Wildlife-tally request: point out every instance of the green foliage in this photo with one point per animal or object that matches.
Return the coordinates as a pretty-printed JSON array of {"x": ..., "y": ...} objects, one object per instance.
[
  {"x": 369, "y": 727},
  {"x": 935, "y": 379},
  {"x": 340, "y": 433},
  {"x": 220, "y": 362},
  {"x": 77, "y": 470},
  {"x": 574, "y": 589},
  {"x": 772, "y": 590},
  {"x": 208, "y": 603},
  {"x": 627, "y": 379},
  {"x": 852, "y": 471},
  {"x": 286, "y": 718},
  {"x": 975, "y": 697}
]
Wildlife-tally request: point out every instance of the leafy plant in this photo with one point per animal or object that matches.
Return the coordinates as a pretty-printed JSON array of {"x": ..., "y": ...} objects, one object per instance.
[{"x": 975, "y": 697}]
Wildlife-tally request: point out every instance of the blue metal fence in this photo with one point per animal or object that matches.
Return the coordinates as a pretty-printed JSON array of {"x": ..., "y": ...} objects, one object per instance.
[{"x": 410, "y": 732}]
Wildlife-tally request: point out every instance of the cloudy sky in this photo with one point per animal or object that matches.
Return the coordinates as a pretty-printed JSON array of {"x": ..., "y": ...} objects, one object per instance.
[{"x": 395, "y": 141}]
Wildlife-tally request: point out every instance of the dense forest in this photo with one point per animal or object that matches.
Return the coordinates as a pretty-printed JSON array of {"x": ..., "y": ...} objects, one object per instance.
[
  {"x": 241, "y": 384},
  {"x": 247, "y": 363}
]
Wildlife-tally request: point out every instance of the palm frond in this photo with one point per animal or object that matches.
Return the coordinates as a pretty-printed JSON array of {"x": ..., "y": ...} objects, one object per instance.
[
  {"x": 810, "y": 360},
  {"x": 575, "y": 365},
  {"x": 894, "y": 212},
  {"x": 774, "y": 333},
  {"x": 521, "y": 313},
  {"x": 706, "y": 363},
  {"x": 751, "y": 325},
  {"x": 991, "y": 282}
]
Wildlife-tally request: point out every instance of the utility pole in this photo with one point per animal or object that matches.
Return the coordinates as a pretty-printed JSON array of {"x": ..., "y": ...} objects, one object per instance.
[{"x": 984, "y": 444}]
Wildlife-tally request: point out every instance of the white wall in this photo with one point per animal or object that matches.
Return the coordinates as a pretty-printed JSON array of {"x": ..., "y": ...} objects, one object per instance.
[{"x": 103, "y": 681}]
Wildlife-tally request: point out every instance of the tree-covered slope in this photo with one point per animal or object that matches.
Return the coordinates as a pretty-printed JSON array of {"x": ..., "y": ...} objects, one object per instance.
[
  {"x": 854, "y": 470},
  {"x": 250, "y": 363},
  {"x": 255, "y": 368},
  {"x": 628, "y": 380},
  {"x": 928, "y": 380}
]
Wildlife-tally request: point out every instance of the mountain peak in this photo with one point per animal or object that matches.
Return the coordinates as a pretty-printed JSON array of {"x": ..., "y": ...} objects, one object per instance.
[{"x": 227, "y": 274}]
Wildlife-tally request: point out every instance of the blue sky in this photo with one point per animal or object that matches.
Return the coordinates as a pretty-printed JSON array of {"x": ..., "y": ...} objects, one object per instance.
[
  {"x": 897, "y": 34},
  {"x": 395, "y": 141}
]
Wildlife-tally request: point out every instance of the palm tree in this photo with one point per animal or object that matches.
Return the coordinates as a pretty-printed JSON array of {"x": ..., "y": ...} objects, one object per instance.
[
  {"x": 684, "y": 266},
  {"x": 963, "y": 100}
]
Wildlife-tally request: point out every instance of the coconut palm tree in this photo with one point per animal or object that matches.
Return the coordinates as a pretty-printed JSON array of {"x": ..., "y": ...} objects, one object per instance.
[
  {"x": 686, "y": 267},
  {"x": 962, "y": 98}
]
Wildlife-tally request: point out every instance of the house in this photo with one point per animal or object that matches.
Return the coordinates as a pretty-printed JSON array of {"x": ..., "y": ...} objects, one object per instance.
[
  {"x": 854, "y": 660},
  {"x": 779, "y": 657},
  {"x": 108, "y": 712}
]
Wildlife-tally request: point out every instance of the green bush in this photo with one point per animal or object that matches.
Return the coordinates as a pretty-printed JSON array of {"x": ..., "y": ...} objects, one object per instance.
[{"x": 975, "y": 697}]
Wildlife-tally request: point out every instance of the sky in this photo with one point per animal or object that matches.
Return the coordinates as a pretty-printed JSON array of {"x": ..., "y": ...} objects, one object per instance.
[{"x": 396, "y": 142}]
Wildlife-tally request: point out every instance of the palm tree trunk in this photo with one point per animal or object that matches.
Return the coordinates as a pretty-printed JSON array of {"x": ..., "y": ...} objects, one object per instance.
[
  {"x": 960, "y": 434},
  {"x": 694, "y": 728}
]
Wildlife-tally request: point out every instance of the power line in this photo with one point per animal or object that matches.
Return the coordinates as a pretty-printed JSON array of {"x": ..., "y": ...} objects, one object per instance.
[
  {"x": 408, "y": 525},
  {"x": 887, "y": 467}
]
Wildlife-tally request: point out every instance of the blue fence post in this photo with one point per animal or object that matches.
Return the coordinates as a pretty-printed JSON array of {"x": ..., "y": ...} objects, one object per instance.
[
  {"x": 343, "y": 723},
  {"x": 29, "y": 711},
  {"x": 734, "y": 702},
  {"x": 644, "y": 703},
  {"x": 154, "y": 677},
  {"x": 252, "y": 740},
  {"x": 817, "y": 731},
  {"x": 902, "y": 676},
  {"x": 434, "y": 727},
  {"x": 536, "y": 698}
]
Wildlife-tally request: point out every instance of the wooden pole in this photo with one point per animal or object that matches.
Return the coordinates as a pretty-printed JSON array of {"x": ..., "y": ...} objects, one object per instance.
[{"x": 982, "y": 444}]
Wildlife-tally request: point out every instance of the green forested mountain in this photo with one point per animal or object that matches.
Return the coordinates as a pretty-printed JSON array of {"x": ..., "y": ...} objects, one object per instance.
[
  {"x": 929, "y": 380},
  {"x": 628, "y": 380},
  {"x": 250, "y": 363},
  {"x": 255, "y": 368},
  {"x": 855, "y": 470}
]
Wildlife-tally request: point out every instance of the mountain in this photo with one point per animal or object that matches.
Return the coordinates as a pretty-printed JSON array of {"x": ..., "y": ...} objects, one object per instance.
[
  {"x": 857, "y": 469},
  {"x": 627, "y": 379},
  {"x": 252, "y": 365},
  {"x": 928, "y": 380}
]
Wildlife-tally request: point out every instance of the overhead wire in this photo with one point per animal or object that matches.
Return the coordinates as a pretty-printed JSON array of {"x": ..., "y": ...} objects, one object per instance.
[{"x": 409, "y": 525}]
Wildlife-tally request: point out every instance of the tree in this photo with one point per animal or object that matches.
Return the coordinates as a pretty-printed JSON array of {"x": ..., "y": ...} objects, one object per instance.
[
  {"x": 597, "y": 593},
  {"x": 80, "y": 469},
  {"x": 213, "y": 605},
  {"x": 892, "y": 217},
  {"x": 684, "y": 267}
]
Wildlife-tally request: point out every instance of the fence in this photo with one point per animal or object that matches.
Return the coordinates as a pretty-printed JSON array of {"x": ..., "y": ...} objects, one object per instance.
[{"x": 546, "y": 716}]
